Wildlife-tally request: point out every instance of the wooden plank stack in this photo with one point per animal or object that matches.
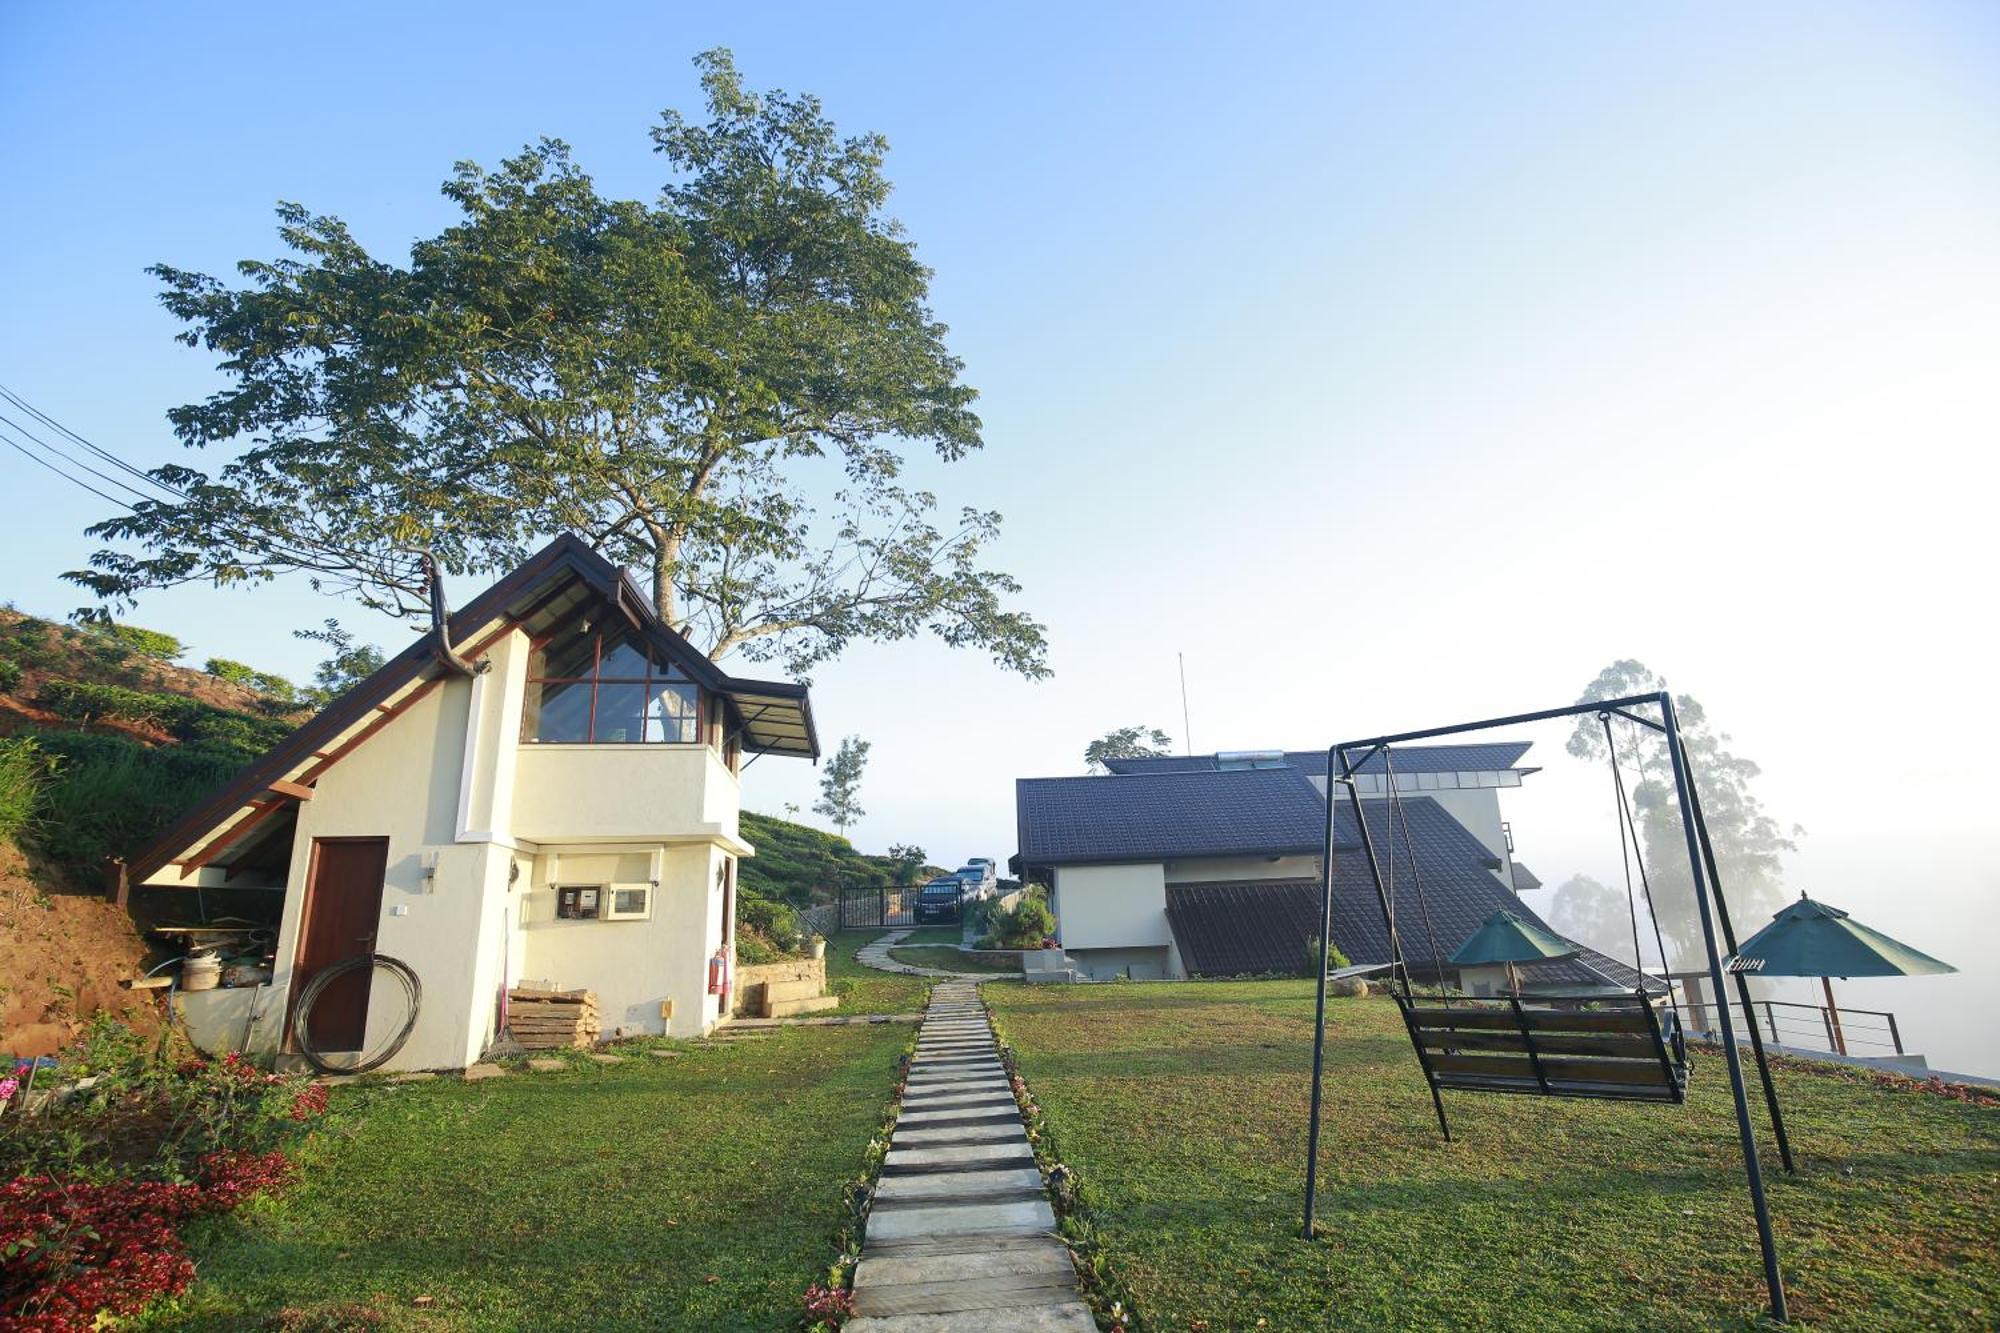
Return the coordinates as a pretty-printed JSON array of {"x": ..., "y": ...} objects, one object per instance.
[{"x": 543, "y": 1020}]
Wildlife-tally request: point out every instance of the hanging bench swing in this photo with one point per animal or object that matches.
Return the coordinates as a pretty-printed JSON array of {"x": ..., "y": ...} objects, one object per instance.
[
  {"x": 1603, "y": 1043},
  {"x": 1605, "y": 1046}
]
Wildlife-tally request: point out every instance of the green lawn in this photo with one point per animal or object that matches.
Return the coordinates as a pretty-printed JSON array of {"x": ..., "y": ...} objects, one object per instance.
[
  {"x": 703, "y": 1192},
  {"x": 948, "y": 957},
  {"x": 1182, "y": 1107},
  {"x": 863, "y": 990}
]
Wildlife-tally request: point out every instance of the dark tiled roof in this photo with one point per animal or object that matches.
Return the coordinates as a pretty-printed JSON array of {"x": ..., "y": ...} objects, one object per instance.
[
  {"x": 1262, "y": 926},
  {"x": 1525, "y": 879},
  {"x": 1167, "y": 816},
  {"x": 1491, "y": 757}
]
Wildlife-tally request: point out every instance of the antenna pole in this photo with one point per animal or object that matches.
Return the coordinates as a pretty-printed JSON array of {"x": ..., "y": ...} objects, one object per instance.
[{"x": 1187, "y": 736}]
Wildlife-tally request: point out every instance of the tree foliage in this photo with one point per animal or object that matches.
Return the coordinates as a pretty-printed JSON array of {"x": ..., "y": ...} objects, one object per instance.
[
  {"x": 1127, "y": 743},
  {"x": 840, "y": 785},
  {"x": 1749, "y": 843},
  {"x": 909, "y": 861},
  {"x": 718, "y": 388},
  {"x": 1590, "y": 912},
  {"x": 346, "y": 666}
]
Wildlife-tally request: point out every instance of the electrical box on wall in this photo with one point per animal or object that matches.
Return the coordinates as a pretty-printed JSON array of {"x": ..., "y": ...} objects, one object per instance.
[{"x": 666, "y": 1008}]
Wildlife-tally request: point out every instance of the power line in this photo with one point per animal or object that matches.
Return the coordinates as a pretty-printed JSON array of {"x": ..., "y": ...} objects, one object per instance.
[
  {"x": 34, "y": 457},
  {"x": 101, "y": 452},
  {"x": 46, "y": 447}
]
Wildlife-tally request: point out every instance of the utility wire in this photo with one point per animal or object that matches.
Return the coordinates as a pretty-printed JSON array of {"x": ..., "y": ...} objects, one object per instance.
[
  {"x": 46, "y": 447},
  {"x": 34, "y": 457},
  {"x": 98, "y": 450}
]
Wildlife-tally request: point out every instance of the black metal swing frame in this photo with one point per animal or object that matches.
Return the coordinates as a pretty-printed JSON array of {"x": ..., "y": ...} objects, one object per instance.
[{"x": 1523, "y": 1031}]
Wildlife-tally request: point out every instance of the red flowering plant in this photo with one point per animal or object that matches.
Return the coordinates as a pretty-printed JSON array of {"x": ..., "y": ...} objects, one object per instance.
[{"x": 126, "y": 1139}]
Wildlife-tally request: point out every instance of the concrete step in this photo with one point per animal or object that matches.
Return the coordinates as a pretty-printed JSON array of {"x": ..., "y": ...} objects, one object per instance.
[
  {"x": 791, "y": 990},
  {"x": 1068, "y": 1317},
  {"x": 960, "y": 1186},
  {"x": 1020, "y": 1217},
  {"x": 805, "y": 1005},
  {"x": 971, "y": 1157}
]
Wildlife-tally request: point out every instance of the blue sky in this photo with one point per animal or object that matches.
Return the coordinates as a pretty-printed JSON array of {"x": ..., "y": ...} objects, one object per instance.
[{"x": 1395, "y": 364}]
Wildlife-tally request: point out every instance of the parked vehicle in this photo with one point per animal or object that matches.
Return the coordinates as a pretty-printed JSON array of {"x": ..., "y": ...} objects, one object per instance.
[
  {"x": 941, "y": 899},
  {"x": 978, "y": 877}
]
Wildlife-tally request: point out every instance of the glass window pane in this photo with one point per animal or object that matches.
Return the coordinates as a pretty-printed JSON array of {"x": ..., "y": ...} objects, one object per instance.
[
  {"x": 559, "y": 711},
  {"x": 623, "y": 659},
  {"x": 628, "y": 902},
  {"x": 1427, "y": 782},
  {"x": 621, "y": 713},
  {"x": 1468, "y": 779},
  {"x": 569, "y": 653},
  {"x": 674, "y": 714}
]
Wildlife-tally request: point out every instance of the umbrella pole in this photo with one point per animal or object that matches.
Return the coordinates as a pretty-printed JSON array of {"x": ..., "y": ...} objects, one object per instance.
[{"x": 1833, "y": 1016}]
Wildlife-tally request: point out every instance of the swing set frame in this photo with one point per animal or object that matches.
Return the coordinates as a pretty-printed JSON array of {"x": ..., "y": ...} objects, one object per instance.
[{"x": 1718, "y": 935}]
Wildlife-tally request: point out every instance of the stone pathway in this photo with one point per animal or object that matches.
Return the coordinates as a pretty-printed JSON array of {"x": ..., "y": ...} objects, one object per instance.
[
  {"x": 876, "y": 955},
  {"x": 961, "y": 1236}
]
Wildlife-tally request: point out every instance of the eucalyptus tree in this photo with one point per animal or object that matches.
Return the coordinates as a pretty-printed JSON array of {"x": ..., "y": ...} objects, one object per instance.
[
  {"x": 723, "y": 388},
  {"x": 1749, "y": 843}
]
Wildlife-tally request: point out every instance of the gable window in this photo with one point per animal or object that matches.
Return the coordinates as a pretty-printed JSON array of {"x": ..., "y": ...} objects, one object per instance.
[{"x": 602, "y": 685}]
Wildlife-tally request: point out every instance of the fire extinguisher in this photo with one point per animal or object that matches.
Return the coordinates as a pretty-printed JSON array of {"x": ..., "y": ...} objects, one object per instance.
[{"x": 718, "y": 973}]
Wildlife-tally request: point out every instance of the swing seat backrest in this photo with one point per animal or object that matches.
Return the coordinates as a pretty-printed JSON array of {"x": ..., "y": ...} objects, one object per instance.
[{"x": 1618, "y": 1049}]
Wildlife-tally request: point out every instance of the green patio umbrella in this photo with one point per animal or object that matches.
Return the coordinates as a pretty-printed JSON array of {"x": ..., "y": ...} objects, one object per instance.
[
  {"x": 1809, "y": 939},
  {"x": 1507, "y": 939}
]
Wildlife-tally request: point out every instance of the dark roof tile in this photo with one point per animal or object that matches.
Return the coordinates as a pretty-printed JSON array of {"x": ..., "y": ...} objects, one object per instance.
[{"x": 1167, "y": 816}]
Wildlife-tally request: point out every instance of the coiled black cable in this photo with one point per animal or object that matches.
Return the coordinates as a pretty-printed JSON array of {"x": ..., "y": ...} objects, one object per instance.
[{"x": 325, "y": 977}]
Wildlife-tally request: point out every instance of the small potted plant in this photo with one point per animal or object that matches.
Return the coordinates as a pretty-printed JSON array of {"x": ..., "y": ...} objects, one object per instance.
[{"x": 816, "y": 946}]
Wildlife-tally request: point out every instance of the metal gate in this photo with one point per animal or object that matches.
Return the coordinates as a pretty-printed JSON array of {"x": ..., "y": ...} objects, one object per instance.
[{"x": 863, "y": 908}]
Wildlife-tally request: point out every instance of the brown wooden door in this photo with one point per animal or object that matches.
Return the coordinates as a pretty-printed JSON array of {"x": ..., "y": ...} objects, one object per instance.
[{"x": 343, "y": 907}]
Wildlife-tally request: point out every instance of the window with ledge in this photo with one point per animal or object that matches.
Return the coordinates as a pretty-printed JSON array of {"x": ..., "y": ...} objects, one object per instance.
[{"x": 589, "y": 684}]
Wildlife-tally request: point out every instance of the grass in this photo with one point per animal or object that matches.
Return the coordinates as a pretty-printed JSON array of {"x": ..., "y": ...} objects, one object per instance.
[
  {"x": 937, "y": 946},
  {"x": 950, "y": 959},
  {"x": 699, "y": 1192},
  {"x": 1182, "y": 1109},
  {"x": 863, "y": 990}
]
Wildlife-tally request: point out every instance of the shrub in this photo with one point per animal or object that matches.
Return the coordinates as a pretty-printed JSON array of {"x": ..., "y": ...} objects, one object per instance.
[
  {"x": 222, "y": 668},
  {"x": 10, "y": 675},
  {"x": 776, "y": 921},
  {"x": 24, "y": 771},
  {"x": 1027, "y": 923},
  {"x": 1334, "y": 958},
  {"x": 145, "y": 642},
  {"x": 107, "y": 794},
  {"x": 753, "y": 948},
  {"x": 83, "y": 701}
]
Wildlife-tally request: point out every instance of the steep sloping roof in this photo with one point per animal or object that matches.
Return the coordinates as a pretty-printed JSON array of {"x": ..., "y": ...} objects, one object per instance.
[
  {"x": 1233, "y": 927},
  {"x": 1482, "y": 758},
  {"x": 1167, "y": 816},
  {"x": 774, "y": 717}
]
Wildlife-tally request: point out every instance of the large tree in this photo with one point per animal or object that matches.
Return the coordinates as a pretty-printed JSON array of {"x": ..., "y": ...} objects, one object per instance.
[
  {"x": 719, "y": 388},
  {"x": 1593, "y": 913},
  {"x": 1749, "y": 843},
  {"x": 1126, "y": 743}
]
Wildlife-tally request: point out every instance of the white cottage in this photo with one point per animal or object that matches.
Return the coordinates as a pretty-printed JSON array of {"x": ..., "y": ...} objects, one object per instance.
[{"x": 547, "y": 793}]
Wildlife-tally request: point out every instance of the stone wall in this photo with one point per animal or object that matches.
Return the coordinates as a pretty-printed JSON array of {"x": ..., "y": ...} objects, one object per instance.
[
  {"x": 822, "y": 920},
  {"x": 748, "y": 998}
]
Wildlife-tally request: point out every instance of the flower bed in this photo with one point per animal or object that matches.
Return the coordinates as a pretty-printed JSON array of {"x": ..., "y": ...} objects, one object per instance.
[{"x": 109, "y": 1154}]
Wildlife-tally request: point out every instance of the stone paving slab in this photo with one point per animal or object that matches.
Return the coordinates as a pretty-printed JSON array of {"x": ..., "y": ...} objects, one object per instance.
[
  {"x": 945, "y": 1258},
  {"x": 958, "y": 1184},
  {"x": 940, "y": 1136},
  {"x": 1016, "y": 1216},
  {"x": 959, "y": 1295},
  {"x": 964, "y": 1156},
  {"x": 1067, "y": 1317}
]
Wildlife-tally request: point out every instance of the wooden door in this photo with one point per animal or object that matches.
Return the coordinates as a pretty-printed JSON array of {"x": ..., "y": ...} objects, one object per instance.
[{"x": 343, "y": 907}]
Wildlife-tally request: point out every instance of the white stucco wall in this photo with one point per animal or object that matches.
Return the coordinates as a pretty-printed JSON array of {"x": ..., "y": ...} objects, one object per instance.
[
  {"x": 622, "y": 793},
  {"x": 1112, "y": 907},
  {"x": 451, "y": 787},
  {"x": 1221, "y": 868},
  {"x": 631, "y": 965}
]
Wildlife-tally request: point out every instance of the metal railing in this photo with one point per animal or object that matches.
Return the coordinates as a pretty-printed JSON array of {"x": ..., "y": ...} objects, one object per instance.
[{"x": 1843, "y": 1031}]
